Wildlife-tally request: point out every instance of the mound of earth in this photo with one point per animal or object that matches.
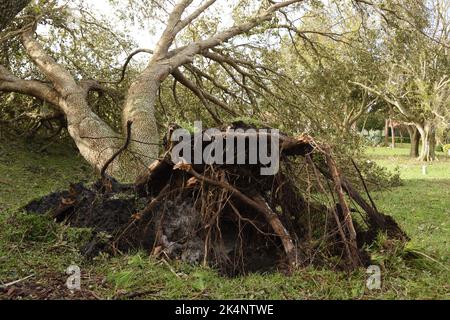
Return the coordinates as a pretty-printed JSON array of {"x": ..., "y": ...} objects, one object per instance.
[{"x": 230, "y": 216}]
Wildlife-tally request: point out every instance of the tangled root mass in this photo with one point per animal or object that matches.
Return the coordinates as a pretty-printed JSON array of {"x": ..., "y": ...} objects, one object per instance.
[{"x": 231, "y": 217}]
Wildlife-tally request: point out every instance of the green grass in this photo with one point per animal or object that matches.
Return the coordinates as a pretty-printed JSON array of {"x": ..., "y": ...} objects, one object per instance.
[
  {"x": 410, "y": 168},
  {"x": 26, "y": 173},
  {"x": 37, "y": 245}
]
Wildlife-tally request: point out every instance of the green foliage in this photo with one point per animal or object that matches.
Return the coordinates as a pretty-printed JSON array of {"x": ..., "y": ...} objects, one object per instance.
[
  {"x": 374, "y": 138},
  {"x": 386, "y": 253},
  {"x": 122, "y": 279},
  {"x": 378, "y": 176},
  {"x": 200, "y": 281},
  {"x": 78, "y": 236},
  {"x": 136, "y": 261},
  {"x": 189, "y": 126},
  {"x": 446, "y": 149},
  {"x": 373, "y": 121}
]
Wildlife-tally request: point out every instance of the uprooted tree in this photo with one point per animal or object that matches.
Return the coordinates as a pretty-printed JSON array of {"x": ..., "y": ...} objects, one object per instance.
[
  {"x": 226, "y": 216},
  {"x": 95, "y": 139}
]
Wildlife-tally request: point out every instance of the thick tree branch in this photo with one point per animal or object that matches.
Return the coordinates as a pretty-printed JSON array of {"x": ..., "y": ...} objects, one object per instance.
[
  {"x": 389, "y": 100},
  {"x": 62, "y": 80},
  {"x": 170, "y": 32},
  {"x": 202, "y": 95},
  {"x": 187, "y": 54},
  {"x": 40, "y": 90}
]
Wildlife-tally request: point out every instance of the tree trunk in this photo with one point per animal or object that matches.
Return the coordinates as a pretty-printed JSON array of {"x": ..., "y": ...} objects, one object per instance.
[
  {"x": 428, "y": 138},
  {"x": 392, "y": 134},
  {"x": 95, "y": 139},
  {"x": 9, "y": 9},
  {"x": 386, "y": 132},
  {"x": 140, "y": 108},
  {"x": 414, "y": 138}
]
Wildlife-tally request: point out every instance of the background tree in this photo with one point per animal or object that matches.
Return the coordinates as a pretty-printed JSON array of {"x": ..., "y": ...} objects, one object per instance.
[{"x": 415, "y": 69}]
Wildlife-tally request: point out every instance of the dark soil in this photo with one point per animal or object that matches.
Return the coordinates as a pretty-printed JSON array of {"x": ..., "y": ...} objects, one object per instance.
[
  {"x": 110, "y": 216},
  {"x": 50, "y": 286}
]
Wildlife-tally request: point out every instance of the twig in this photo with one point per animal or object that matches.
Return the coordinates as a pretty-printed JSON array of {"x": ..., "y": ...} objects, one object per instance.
[
  {"x": 132, "y": 295},
  {"x": 364, "y": 184},
  {"x": 124, "y": 68},
  {"x": 6, "y": 285},
  {"x": 430, "y": 258},
  {"x": 170, "y": 268}
]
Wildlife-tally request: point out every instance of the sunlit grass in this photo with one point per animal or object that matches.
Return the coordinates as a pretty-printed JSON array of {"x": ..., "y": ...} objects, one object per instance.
[{"x": 410, "y": 168}]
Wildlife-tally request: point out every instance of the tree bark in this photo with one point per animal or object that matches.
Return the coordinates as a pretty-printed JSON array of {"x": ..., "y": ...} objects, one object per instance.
[
  {"x": 386, "y": 132},
  {"x": 428, "y": 138},
  {"x": 414, "y": 138},
  {"x": 9, "y": 9},
  {"x": 392, "y": 133}
]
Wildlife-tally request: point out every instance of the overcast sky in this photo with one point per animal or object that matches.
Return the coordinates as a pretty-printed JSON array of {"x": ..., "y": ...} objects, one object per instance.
[{"x": 147, "y": 37}]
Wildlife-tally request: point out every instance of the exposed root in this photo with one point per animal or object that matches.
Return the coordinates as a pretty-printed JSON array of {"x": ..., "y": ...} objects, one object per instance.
[{"x": 230, "y": 216}]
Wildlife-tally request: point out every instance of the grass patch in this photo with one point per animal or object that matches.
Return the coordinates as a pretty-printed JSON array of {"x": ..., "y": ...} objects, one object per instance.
[
  {"x": 409, "y": 168},
  {"x": 26, "y": 173}
]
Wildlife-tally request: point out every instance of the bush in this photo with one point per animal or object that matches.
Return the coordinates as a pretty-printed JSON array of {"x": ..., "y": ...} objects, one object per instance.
[
  {"x": 378, "y": 177},
  {"x": 446, "y": 148},
  {"x": 374, "y": 137},
  {"x": 78, "y": 236}
]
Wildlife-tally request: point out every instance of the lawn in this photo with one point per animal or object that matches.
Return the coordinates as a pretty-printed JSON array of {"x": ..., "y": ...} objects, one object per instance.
[{"x": 35, "y": 245}]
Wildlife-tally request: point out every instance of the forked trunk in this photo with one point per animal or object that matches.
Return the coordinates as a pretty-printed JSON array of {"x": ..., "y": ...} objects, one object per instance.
[{"x": 428, "y": 138}]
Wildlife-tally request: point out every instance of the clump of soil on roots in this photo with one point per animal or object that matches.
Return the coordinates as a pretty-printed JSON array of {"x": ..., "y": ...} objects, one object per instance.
[{"x": 230, "y": 216}]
